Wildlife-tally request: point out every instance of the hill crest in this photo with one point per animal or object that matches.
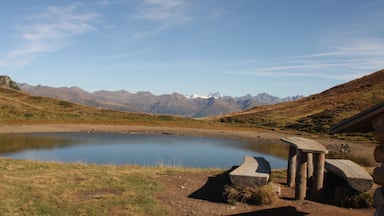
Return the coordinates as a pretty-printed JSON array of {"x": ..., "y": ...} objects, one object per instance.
[{"x": 316, "y": 113}]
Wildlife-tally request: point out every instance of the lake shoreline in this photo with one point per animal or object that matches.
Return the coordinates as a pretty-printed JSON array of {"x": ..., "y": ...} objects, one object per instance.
[
  {"x": 362, "y": 150},
  {"x": 133, "y": 129},
  {"x": 140, "y": 149}
]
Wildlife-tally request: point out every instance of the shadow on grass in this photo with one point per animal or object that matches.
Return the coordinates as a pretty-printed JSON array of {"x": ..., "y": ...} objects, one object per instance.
[
  {"x": 213, "y": 189},
  {"x": 286, "y": 211}
]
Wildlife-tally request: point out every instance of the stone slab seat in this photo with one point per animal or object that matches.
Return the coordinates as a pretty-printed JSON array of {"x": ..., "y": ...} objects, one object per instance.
[
  {"x": 305, "y": 145},
  {"x": 355, "y": 175},
  {"x": 253, "y": 171}
]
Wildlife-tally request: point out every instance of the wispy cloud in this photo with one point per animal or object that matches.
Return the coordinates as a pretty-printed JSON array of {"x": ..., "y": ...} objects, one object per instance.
[
  {"x": 367, "y": 47},
  {"x": 159, "y": 10},
  {"x": 104, "y": 3},
  {"x": 120, "y": 56},
  {"x": 49, "y": 30},
  {"x": 348, "y": 60},
  {"x": 162, "y": 14}
]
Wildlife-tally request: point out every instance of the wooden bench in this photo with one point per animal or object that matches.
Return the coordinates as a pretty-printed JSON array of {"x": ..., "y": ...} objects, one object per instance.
[
  {"x": 356, "y": 176},
  {"x": 305, "y": 161},
  {"x": 253, "y": 171}
]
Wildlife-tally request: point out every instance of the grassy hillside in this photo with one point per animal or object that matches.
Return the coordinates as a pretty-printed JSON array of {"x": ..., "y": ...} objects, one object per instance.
[
  {"x": 318, "y": 112},
  {"x": 19, "y": 107}
]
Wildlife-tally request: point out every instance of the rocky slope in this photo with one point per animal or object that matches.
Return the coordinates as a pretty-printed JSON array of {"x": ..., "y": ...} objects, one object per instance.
[{"x": 7, "y": 82}]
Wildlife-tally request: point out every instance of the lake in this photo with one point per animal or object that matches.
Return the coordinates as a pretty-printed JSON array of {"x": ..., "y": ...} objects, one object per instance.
[{"x": 140, "y": 149}]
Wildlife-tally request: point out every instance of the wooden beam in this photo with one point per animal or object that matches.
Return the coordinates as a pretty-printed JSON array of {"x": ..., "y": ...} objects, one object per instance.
[
  {"x": 378, "y": 126},
  {"x": 378, "y": 123},
  {"x": 361, "y": 122},
  {"x": 379, "y": 154}
]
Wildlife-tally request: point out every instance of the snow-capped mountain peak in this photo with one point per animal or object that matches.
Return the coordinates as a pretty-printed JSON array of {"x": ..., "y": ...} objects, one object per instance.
[{"x": 215, "y": 95}]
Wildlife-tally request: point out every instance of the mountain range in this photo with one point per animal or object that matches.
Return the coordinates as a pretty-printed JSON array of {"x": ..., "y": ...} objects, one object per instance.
[
  {"x": 315, "y": 113},
  {"x": 175, "y": 104}
]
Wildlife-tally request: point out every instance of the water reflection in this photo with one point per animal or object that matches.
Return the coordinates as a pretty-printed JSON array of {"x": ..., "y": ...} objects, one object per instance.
[
  {"x": 273, "y": 147},
  {"x": 149, "y": 150},
  {"x": 18, "y": 142}
]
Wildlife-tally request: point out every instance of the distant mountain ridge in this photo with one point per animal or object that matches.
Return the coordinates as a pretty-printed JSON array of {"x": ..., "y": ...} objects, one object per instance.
[
  {"x": 215, "y": 95},
  {"x": 175, "y": 104}
]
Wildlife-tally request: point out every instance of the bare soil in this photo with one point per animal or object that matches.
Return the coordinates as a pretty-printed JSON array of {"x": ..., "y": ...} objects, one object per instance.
[
  {"x": 201, "y": 193},
  {"x": 189, "y": 192}
]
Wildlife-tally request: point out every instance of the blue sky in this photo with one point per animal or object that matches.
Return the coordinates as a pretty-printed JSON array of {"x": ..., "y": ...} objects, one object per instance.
[{"x": 236, "y": 47}]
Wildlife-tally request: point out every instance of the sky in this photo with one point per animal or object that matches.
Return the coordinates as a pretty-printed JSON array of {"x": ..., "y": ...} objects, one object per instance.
[{"x": 235, "y": 47}]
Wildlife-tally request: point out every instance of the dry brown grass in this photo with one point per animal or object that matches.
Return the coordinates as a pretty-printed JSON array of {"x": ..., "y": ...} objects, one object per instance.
[
  {"x": 17, "y": 107},
  {"x": 260, "y": 195},
  {"x": 315, "y": 113},
  {"x": 42, "y": 188}
]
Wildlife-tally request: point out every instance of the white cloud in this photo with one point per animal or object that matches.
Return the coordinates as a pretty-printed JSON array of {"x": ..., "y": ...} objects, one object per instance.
[
  {"x": 32, "y": 48},
  {"x": 349, "y": 60},
  {"x": 122, "y": 55},
  {"x": 346, "y": 52},
  {"x": 367, "y": 47},
  {"x": 104, "y": 3},
  {"x": 160, "y": 10},
  {"x": 162, "y": 13},
  {"x": 48, "y": 31}
]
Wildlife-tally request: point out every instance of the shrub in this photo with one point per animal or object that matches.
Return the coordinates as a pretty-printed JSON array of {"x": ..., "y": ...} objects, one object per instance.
[
  {"x": 360, "y": 200},
  {"x": 28, "y": 115},
  {"x": 65, "y": 104},
  {"x": 258, "y": 195}
]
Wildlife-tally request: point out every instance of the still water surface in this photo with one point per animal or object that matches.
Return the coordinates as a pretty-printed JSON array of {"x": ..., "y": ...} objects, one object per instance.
[{"x": 140, "y": 149}]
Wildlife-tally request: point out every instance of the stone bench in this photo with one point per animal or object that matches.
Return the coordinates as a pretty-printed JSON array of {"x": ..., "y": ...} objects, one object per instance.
[
  {"x": 253, "y": 171},
  {"x": 356, "y": 176}
]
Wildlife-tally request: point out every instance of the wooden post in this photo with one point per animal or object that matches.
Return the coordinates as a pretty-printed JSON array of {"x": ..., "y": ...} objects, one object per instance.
[
  {"x": 309, "y": 173},
  {"x": 301, "y": 175},
  {"x": 310, "y": 166},
  {"x": 302, "y": 151},
  {"x": 292, "y": 164},
  {"x": 378, "y": 173},
  {"x": 318, "y": 176}
]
